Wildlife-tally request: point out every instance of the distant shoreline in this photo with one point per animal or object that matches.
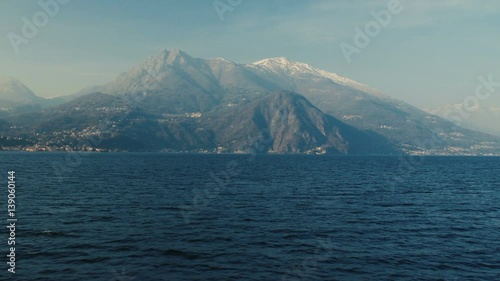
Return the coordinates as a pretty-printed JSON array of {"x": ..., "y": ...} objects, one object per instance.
[{"x": 236, "y": 154}]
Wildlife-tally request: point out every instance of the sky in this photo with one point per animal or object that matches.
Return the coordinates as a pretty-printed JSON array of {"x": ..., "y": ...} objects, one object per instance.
[{"x": 430, "y": 53}]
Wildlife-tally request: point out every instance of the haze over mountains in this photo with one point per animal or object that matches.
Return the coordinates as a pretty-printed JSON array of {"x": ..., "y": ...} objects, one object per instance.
[
  {"x": 174, "y": 102},
  {"x": 15, "y": 96},
  {"x": 14, "y": 91},
  {"x": 482, "y": 118}
]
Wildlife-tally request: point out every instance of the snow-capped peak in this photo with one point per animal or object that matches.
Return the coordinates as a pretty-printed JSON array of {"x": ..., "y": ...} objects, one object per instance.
[
  {"x": 157, "y": 63},
  {"x": 174, "y": 56},
  {"x": 222, "y": 60},
  {"x": 285, "y": 66},
  {"x": 162, "y": 69}
]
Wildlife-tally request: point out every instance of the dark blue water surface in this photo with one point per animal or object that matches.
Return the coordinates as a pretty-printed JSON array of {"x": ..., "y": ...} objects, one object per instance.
[{"x": 234, "y": 217}]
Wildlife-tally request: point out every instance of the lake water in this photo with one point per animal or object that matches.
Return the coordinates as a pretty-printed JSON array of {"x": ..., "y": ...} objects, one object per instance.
[{"x": 236, "y": 217}]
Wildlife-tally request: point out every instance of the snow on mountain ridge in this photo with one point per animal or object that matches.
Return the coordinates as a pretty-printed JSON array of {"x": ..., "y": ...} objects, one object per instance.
[
  {"x": 164, "y": 58},
  {"x": 175, "y": 56},
  {"x": 286, "y": 66},
  {"x": 221, "y": 60},
  {"x": 278, "y": 65},
  {"x": 153, "y": 73}
]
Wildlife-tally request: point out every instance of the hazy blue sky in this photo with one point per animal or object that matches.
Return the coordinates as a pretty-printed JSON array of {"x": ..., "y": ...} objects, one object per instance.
[{"x": 430, "y": 54}]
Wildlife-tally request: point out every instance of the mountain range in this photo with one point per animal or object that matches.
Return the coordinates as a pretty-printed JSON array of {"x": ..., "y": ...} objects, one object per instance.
[
  {"x": 482, "y": 118},
  {"x": 17, "y": 97},
  {"x": 174, "y": 102}
]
